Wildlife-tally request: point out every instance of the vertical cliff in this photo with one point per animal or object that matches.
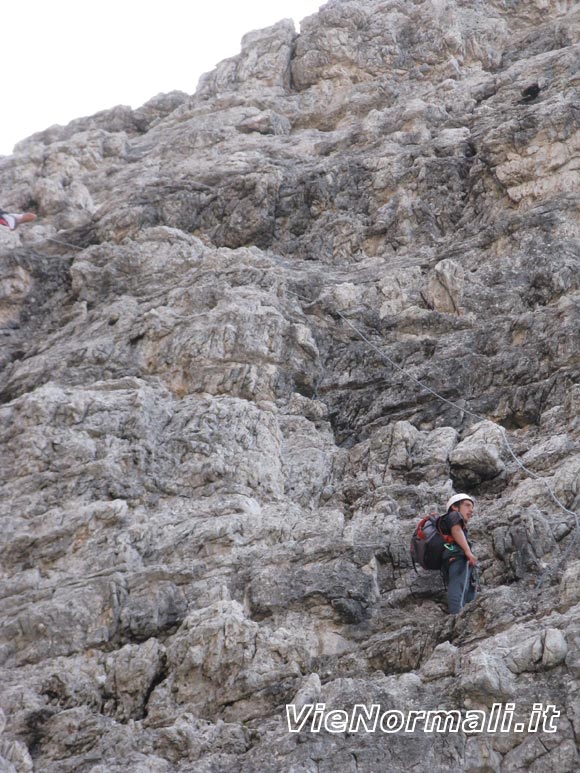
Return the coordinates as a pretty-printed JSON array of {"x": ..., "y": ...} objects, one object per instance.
[{"x": 214, "y": 443}]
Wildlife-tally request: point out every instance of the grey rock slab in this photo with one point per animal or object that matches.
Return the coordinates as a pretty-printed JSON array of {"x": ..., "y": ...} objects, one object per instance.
[{"x": 215, "y": 428}]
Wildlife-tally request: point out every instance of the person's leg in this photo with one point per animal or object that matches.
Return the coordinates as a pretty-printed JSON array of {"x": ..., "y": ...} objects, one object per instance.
[
  {"x": 25, "y": 217},
  {"x": 458, "y": 588}
]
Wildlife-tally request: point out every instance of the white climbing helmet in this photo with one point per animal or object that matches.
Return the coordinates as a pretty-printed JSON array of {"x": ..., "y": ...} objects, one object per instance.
[{"x": 458, "y": 498}]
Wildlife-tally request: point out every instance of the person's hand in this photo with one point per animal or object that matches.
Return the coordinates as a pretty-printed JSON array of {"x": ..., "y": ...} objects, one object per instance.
[{"x": 472, "y": 559}]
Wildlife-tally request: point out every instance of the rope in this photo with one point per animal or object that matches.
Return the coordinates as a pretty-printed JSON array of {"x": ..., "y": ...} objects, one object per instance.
[
  {"x": 465, "y": 411},
  {"x": 549, "y": 570},
  {"x": 66, "y": 244}
]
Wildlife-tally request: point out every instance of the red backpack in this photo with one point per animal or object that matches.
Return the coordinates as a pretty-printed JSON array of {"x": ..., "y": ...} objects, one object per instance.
[{"x": 428, "y": 541}]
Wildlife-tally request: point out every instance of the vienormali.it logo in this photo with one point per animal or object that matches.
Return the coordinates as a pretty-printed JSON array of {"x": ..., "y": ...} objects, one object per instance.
[{"x": 314, "y": 718}]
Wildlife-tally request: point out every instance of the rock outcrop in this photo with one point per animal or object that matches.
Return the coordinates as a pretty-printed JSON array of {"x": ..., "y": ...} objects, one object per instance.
[{"x": 223, "y": 345}]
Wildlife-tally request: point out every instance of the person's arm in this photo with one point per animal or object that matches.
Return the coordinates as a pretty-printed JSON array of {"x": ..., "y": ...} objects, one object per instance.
[{"x": 460, "y": 539}]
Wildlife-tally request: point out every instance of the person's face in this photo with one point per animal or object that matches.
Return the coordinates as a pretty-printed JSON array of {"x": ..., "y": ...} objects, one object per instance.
[{"x": 466, "y": 509}]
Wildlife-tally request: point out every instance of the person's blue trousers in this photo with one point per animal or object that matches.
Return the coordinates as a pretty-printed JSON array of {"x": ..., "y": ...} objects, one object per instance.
[{"x": 461, "y": 586}]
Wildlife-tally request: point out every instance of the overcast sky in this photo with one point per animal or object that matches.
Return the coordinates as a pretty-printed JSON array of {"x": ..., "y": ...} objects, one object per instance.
[{"x": 64, "y": 59}]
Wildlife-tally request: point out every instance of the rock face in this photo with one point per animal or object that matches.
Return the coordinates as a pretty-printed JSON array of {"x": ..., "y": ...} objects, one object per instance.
[{"x": 214, "y": 443}]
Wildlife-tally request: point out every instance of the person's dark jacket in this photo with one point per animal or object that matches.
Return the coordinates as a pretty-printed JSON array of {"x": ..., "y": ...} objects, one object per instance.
[{"x": 448, "y": 521}]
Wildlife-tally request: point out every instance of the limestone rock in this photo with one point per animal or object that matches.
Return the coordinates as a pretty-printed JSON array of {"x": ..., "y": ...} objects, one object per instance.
[
  {"x": 478, "y": 457},
  {"x": 255, "y": 334},
  {"x": 266, "y": 122},
  {"x": 443, "y": 662},
  {"x": 481, "y": 757},
  {"x": 570, "y": 586},
  {"x": 14, "y": 756},
  {"x": 264, "y": 62},
  {"x": 484, "y": 676},
  {"x": 555, "y": 648},
  {"x": 445, "y": 287}
]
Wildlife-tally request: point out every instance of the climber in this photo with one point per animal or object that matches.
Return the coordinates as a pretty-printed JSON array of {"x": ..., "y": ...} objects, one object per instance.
[
  {"x": 458, "y": 561},
  {"x": 12, "y": 220}
]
